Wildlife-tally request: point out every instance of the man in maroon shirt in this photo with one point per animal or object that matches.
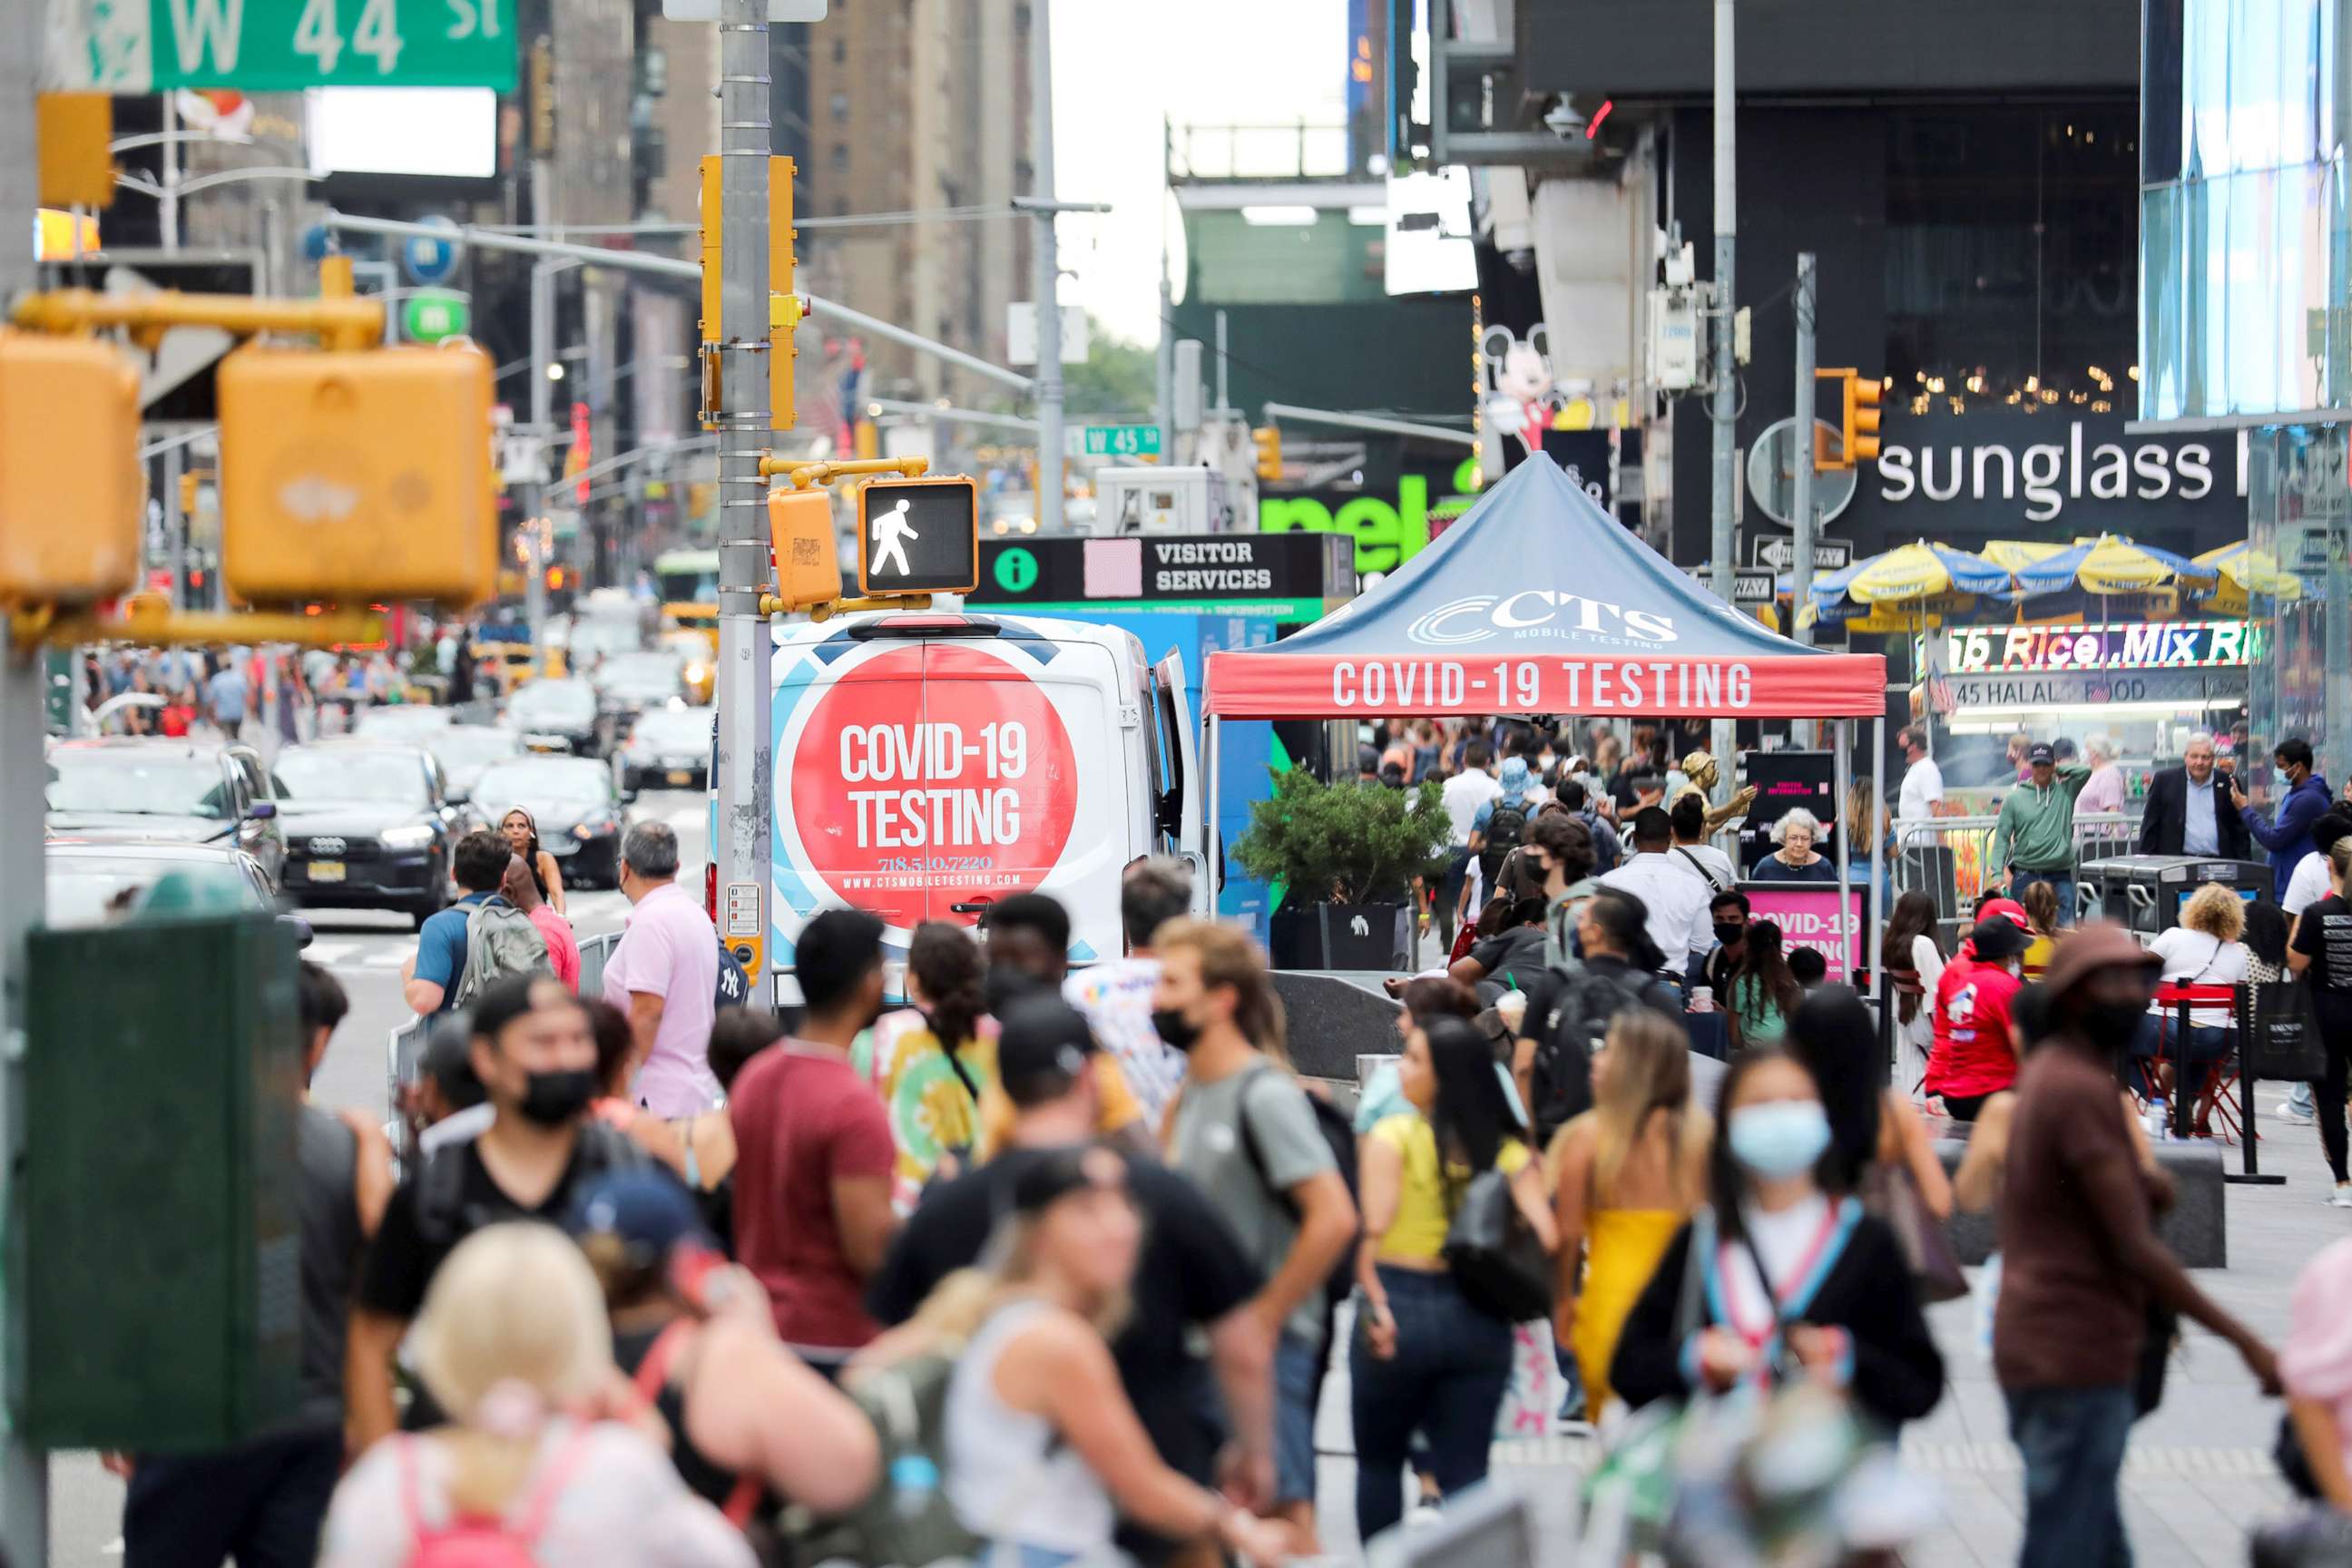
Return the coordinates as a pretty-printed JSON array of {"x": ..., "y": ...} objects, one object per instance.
[
  {"x": 813, "y": 1215},
  {"x": 2080, "y": 1260}
]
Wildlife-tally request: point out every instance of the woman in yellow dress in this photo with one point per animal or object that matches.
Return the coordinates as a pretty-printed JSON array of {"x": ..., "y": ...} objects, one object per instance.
[{"x": 1627, "y": 1173}]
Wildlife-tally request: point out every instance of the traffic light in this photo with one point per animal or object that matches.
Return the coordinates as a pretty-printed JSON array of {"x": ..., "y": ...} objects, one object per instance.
[
  {"x": 1270, "y": 453},
  {"x": 357, "y": 475},
  {"x": 808, "y": 557},
  {"x": 71, "y": 489},
  {"x": 1858, "y": 397},
  {"x": 784, "y": 304}
]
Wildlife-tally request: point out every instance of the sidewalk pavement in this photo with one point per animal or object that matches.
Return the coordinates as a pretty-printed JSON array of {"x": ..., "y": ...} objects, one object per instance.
[{"x": 2198, "y": 1475}]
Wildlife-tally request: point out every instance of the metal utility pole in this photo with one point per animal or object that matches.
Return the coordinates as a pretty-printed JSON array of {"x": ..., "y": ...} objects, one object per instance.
[
  {"x": 1800, "y": 508},
  {"x": 746, "y": 783},
  {"x": 1725, "y": 413},
  {"x": 543, "y": 420},
  {"x": 1049, "y": 272},
  {"x": 24, "y": 1470}
]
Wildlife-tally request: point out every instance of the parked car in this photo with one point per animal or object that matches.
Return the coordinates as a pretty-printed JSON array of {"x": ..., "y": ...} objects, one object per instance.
[
  {"x": 86, "y": 882},
  {"x": 668, "y": 749},
  {"x": 369, "y": 826},
  {"x": 559, "y": 716},
  {"x": 189, "y": 792},
  {"x": 576, "y": 806},
  {"x": 465, "y": 749}
]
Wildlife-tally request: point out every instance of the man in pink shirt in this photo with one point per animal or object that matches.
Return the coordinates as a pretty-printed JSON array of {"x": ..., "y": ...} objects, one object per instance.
[
  {"x": 665, "y": 976},
  {"x": 562, "y": 951}
]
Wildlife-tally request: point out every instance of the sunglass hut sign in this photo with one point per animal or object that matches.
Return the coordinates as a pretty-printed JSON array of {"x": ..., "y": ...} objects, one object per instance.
[{"x": 2079, "y": 467}]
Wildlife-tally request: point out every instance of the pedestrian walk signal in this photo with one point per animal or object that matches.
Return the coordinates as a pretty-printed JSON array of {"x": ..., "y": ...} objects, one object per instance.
[{"x": 918, "y": 536}]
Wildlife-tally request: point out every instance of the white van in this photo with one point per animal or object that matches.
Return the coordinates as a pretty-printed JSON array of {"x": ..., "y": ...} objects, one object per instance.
[{"x": 928, "y": 763}]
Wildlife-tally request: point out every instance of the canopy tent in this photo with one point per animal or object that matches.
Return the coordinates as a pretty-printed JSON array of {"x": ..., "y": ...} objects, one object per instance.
[{"x": 1538, "y": 602}]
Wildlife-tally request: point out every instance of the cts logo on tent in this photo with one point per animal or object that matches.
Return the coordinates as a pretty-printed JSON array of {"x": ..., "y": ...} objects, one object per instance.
[{"x": 1534, "y": 614}]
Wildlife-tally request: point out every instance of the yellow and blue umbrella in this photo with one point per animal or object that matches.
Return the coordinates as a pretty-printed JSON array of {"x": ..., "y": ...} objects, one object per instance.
[
  {"x": 1918, "y": 575},
  {"x": 2243, "y": 574},
  {"x": 2107, "y": 565}
]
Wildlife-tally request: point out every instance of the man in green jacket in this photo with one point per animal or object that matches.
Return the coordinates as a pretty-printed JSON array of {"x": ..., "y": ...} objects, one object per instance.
[{"x": 2033, "y": 840}]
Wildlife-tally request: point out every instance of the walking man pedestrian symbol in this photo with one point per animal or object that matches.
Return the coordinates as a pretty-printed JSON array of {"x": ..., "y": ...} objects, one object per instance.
[{"x": 890, "y": 535}]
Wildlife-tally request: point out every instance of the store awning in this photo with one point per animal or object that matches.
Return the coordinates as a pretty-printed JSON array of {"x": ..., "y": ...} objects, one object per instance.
[{"x": 1538, "y": 602}]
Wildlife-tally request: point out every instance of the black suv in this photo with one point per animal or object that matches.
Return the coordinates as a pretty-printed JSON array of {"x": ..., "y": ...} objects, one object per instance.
[{"x": 368, "y": 827}]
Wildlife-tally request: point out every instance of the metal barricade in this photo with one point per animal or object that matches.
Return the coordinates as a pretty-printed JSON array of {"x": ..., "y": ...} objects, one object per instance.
[
  {"x": 596, "y": 952},
  {"x": 1946, "y": 858}
]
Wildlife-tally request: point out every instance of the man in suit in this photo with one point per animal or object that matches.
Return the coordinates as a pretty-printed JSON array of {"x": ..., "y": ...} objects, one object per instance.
[{"x": 2189, "y": 810}]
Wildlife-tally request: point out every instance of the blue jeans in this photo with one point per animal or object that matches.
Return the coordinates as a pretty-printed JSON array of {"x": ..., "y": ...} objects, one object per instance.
[
  {"x": 1297, "y": 1377},
  {"x": 1452, "y": 1367},
  {"x": 2061, "y": 883},
  {"x": 2073, "y": 1442}
]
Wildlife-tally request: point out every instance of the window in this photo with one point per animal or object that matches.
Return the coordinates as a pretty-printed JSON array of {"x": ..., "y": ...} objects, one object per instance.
[
  {"x": 840, "y": 157},
  {"x": 840, "y": 106},
  {"x": 840, "y": 52}
]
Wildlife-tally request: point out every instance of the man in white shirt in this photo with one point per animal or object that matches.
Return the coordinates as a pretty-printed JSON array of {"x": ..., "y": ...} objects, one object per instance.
[
  {"x": 1693, "y": 852},
  {"x": 1464, "y": 792},
  {"x": 2313, "y": 875},
  {"x": 1675, "y": 899},
  {"x": 1923, "y": 781}
]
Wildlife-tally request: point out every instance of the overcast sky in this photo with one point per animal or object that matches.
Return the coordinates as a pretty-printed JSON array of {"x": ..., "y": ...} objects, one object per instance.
[{"x": 1122, "y": 66}]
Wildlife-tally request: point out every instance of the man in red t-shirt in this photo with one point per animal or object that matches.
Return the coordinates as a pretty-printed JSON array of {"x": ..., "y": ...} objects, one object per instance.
[
  {"x": 1975, "y": 1056},
  {"x": 814, "y": 1153}
]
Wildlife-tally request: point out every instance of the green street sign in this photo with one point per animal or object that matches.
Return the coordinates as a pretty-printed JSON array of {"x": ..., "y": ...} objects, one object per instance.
[
  {"x": 1122, "y": 440},
  {"x": 429, "y": 318},
  {"x": 1016, "y": 571},
  {"x": 277, "y": 45}
]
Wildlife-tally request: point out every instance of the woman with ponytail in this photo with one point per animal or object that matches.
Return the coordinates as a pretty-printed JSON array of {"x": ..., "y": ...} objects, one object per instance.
[{"x": 514, "y": 1344}]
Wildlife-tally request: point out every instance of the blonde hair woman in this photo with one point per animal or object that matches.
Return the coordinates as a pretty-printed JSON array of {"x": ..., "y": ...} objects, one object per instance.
[
  {"x": 1627, "y": 1173},
  {"x": 514, "y": 1344},
  {"x": 2204, "y": 949}
]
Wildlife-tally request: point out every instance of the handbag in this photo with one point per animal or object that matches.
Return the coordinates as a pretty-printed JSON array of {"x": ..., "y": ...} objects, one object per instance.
[
  {"x": 2281, "y": 1039},
  {"x": 2154, "y": 1358},
  {"x": 1496, "y": 1258},
  {"x": 2317, "y": 1537},
  {"x": 1889, "y": 1194}
]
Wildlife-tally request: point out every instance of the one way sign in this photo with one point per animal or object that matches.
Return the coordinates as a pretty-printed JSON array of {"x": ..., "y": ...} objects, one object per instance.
[{"x": 918, "y": 536}]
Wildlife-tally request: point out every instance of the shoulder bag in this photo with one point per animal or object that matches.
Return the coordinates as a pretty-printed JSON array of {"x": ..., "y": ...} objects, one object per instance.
[{"x": 1496, "y": 1258}]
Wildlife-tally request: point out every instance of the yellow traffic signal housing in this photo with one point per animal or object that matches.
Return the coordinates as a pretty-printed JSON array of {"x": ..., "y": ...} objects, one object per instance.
[
  {"x": 784, "y": 304},
  {"x": 1270, "y": 453},
  {"x": 70, "y": 483},
  {"x": 1861, "y": 398},
  {"x": 360, "y": 475},
  {"x": 808, "y": 559},
  {"x": 72, "y": 131}
]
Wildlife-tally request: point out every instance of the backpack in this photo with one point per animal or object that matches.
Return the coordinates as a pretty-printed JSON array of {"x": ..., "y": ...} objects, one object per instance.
[
  {"x": 444, "y": 1217},
  {"x": 1504, "y": 828},
  {"x": 500, "y": 942},
  {"x": 906, "y": 1518},
  {"x": 1571, "y": 1037},
  {"x": 1340, "y": 1135},
  {"x": 468, "y": 1541},
  {"x": 734, "y": 985},
  {"x": 1606, "y": 847}
]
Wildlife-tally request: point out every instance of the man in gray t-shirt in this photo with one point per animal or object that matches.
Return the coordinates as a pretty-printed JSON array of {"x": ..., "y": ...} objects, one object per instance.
[{"x": 1243, "y": 1130}]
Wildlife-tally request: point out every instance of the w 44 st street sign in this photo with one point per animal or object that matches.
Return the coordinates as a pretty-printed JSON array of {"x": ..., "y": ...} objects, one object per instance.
[{"x": 273, "y": 45}]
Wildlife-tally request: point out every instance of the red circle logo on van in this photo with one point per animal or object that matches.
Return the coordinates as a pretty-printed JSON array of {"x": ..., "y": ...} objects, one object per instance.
[{"x": 916, "y": 787}]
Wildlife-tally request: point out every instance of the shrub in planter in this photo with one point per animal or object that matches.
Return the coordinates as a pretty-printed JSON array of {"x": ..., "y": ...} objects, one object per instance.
[{"x": 1347, "y": 853}]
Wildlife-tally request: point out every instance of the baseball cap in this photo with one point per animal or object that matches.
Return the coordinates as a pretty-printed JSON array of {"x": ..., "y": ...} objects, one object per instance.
[
  {"x": 648, "y": 1212},
  {"x": 2041, "y": 751},
  {"x": 1996, "y": 939},
  {"x": 1042, "y": 1039}
]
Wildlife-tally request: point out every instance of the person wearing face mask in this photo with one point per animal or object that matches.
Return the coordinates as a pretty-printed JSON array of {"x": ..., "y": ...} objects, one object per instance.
[
  {"x": 2081, "y": 1259},
  {"x": 536, "y": 1058},
  {"x": 814, "y": 1156},
  {"x": 1797, "y": 1282},
  {"x": 1975, "y": 1054}
]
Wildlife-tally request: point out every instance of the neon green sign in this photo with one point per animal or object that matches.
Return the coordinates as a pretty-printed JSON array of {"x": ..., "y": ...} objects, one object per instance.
[{"x": 1387, "y": 534}]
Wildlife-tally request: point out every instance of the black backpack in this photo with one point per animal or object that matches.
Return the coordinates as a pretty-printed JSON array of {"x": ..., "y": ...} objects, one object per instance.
[
  {"x": 1505, "y": 828},
  {"x": 1341, "y": 1135},
  {"x": 1586, "y": 999}
]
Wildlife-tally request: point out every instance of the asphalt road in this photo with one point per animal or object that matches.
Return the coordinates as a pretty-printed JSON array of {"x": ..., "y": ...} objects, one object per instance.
[{"x": 365, "y": 951}]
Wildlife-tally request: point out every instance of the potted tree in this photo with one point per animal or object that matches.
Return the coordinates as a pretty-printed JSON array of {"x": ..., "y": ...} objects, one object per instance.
[{"x": 1346, "y": 856}]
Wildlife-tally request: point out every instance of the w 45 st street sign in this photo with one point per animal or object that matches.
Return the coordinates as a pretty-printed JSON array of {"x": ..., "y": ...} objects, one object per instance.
[{"x": 273, "y": 45}]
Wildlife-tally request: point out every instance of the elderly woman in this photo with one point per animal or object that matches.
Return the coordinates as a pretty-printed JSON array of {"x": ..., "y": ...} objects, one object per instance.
[
  {"x": 2104, "y": 791},
  {"x": 1794, "y": 860}
]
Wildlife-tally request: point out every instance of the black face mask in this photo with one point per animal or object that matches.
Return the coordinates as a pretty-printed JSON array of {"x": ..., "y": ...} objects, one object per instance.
[
  {"x": 1174, "y": 1029},
  {"x": 553, "y": 1099},
  {"x": 2110, "y": 1025},
  {"x": 1730, "y": 932}
]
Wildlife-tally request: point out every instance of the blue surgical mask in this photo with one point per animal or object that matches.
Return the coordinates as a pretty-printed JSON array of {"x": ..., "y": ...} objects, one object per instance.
[{"x": 1782, "y": 1138}]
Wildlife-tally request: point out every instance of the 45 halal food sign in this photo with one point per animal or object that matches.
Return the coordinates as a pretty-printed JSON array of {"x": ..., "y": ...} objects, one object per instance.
[{"x": 921, "y": 778}]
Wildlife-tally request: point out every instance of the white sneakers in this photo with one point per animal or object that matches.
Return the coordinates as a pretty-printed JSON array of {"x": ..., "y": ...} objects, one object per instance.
[
  {"x": 2288, "y": 1111},
  {"x": 2343, "y": 1197}
]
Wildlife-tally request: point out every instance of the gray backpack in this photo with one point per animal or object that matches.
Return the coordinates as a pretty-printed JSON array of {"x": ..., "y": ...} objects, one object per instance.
[{"x": 500, "y": 942}]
